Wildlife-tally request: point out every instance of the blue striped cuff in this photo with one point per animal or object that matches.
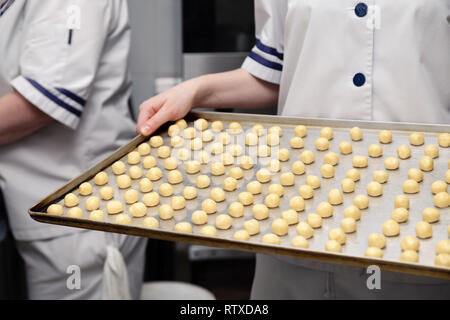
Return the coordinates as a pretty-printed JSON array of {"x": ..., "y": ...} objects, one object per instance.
[
  {"x": 269, "y": 50},
  {"x": 265, "y": 62}
]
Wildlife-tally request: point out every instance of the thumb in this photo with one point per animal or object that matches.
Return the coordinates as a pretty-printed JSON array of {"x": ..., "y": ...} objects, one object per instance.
[{"x": 158, "y": 119}]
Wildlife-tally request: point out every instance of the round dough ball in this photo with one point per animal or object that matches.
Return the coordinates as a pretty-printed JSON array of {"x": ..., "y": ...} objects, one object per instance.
[
  {"x": 165, "y": 212},
  {"x": 415, "y": 174},
  {"x": 189, "y": 133},
  {"x": 223, "y": 222},
  {"x": 134, "y": 157},
  {"x": 442, "y": 259},
  {"x": 138, "y": 210},
  {"x": 229, "y": 184},
  {"x": 401, "y": 201},
  {"x": 352, "y": 212},
  {"x": 252, "y": 227},
  {"x": 277, "y": 189},
  {"x": 306, "y": 191},
  {"x": 135, "y": 172},
  {"x": 438, "y": 186},
  {"x": 441, "y": 200},
  {"x": 92, "y": 203},
  {"x": 118, "y": 168},
  {"x": 154, "y": 174},
  {"x": 227, "y": 158},
  {"x": 203, "y": 181},
  {"x": 144, "y": 149},
  {"x": 348, "y": 185},
  {"x": 291, "y": 216},
  {"x": 297, "y": 143},
  {"x": 122, "y": 218},
  {"x": 189, "y": 193},
  {"x": 360, "y": 162},
  {"x": 374, "y": 252},
  {"x": 258, "y": 129},
  {"x": 410, "y": 243},
  {"x": 288, "y": 179},
  {"x": 236, "y": 150},
  {"x": 410, "y": 186},
  {"x": 97, "y": 215},
  {"x": 241, "y": 235},
  {"x": 322, "y": 144},
  {"x": 432, "y": 151},
  {"x": 85, "y": 189},
  {"x": 254, "y": 187},
  {"x": 75, "y": 212},
  {"x": 236, "y": 209},
  {"x": 271, "y": 238},
  {"x": 131, "y": 196},
  {"x": 275, "y": 130},
  {"x": 345, "y": 147},
  {"x": 274, "y": 165},
  {"x": 313, "y": 181},
  {"x": 55, "y": 210},
  {"x": 353, "y": 174},
  {"x": 251, "y": 139},
  {"x": 224, "y": 138},
  {"x": 246, "y": 198},
  {"x": 400, "y": 215},
  {"x": 71, "y": 200},
  {"x": 173, "y": 130},
  {"x": 426, "y": 163},
  {"x": 185, "y": 227},
  {"x": 150, "y": 199},
  {"x": 361, "y": 201},
  {"x": 106, "y": 193},
  {"x": 375, "y": 151},
  {"x": 409, "y": 256},
  {"x": 150, "y": 222},
  {"x": 246, "y": 162},
  {"x": 156, "y": 141},
  {"x": 209, "y": 206},
  {"x": 416, "y": 139},
  {"x": 217, "y": 194},
  {"x": 444, "y": 140},
  {"x": 297, "y": 203},
  {"x": 101, "y": 178},
  {"x": 331, "y": 158},
  {"x": 356, "y": 134},
  {"x": 391, "y": 163},
  {"x": 443, "y": 246},
  {"x": 263, "y": 175},
  {"x": 199, "y": 217},
  {"x": 174, "y": 177},
  {"x": 209, "y": 231},
  {"x": 201, "y": 124},
  {"x": 305, "y": 230},
  {"x": 299, "y": 242},
  {"x": 380, "y": 176},
  {"x": 145, "y": 185},
  {"x": 348, "y": 225},
  {"x": 272, "y": 139},
  {"x": 374, "y": 189},
  {"x": 391, "y": 228},
  {"x": 207, "y": 136},
  {"x": 217, "y": 169},
  {"x": 300, "y": 131},
  {"x": 283, "y": 154},
  {"x": 335, "y": 197},
  {"x": 338, "y": 235},
  {"x": 114, "y": 207},
  {"x": 217, "y": 126},
  {"x": 327, "y": 133},
  {"x": 333, "y": 246},
  {"x": 327, "y": 171},
  {"x": 165, "y": 189},
  {"x": 216, "y": 148},
  {"x": 307, "y": 157},
  {"x": 163, "y": 152},
  {"x": 260, "y": 211},
  {"x": 314, "y": 220},
  {"x": 193, "y": 167},
  {"x": 235, "y": 127},
  {"x": 148, "y": 162},
  {"x": 298, "y": 168},
  {"x": 447, "y": 176},
  {"x": 377, "y": 240},
  {"x": 170, "y": 163},
  {"x": 424, "y": 230},
  {"x": 178, "y": 202},
  {"x": 280, "y": 227},
  {"x": 404, "y": 152},
  {"x": 325, "y": 210},
  {"x": 272, "y": 200},
  {"x": 385, "y": 136},
  {"x": 236, "y": 173},
  {"x": 123, "y": 181}
]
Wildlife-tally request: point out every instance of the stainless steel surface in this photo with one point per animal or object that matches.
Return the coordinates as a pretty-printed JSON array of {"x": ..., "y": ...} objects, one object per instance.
[{"x": 353, "y": 250}]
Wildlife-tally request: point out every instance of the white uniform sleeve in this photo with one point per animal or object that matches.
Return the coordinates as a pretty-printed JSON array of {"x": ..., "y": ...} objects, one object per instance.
[
  {"x": 58, "y": 60},
  {"x": 265, "y": 61}
]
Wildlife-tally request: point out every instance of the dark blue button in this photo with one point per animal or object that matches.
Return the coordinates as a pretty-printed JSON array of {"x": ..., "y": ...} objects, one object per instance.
[
  {"x": 361, "y": 9},
  {"x": 359, "y": 79}
]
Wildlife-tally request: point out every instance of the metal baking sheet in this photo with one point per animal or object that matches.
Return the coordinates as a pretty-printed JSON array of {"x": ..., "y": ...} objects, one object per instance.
[{"x": 371, "y": 220}]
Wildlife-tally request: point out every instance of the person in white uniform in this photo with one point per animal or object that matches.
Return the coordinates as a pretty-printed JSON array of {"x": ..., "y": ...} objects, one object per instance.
[
  {"x": 366, "y": 60},
  {"x": 64, "y": 91}
]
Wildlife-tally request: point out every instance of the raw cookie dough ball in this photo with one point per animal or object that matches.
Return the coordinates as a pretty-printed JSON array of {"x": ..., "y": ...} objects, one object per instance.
[
  {"x": 216, "y": 148},
  {"x": 154, "y": 174},
  {"x": 327, "y": 171},
  {"x": 203, "y": 181},
  {"x": 438, "y": 186},
  {"x": 223, "y": 222},
  {"x": 174, "y": 177},
  {"x": 352, "y": 212},
  {"x": 353, "y": 174},
  {"x": 306, "y": 191},
  {"x": 254, "y": 187},
  {"x": 236, "y": 209},
  {"x": 361, "y": 201},
  {"x": 55, "y": 210},
  {"x": 333, "y": 246},
  {"x": 163, "y": 152},
  {"x": 447, "y": 176},
  {"x": 165, "y": 212},
  {"x": 144, "y": 149},
  {"x": 150, "y": 199},
  {"x": 170, "y": 163},
  {"x": 274, "y": 165},
  {"x": 101, "y": 178},
  {"x": 106, "y": 193},
  {"x": 432, "y": 151},
  {"x": 410, "y": 186},
  {"x": 272, "y": 139},
  {"x": 131, "y": 196},
  {"x": 345, "y": 147},
  {"x": 114, "y": 207},
  {"x": 246, "y": 162},
  {"x": 325, "y": 210},
  {"x": 314, "y": 220},
  {"x": 416, "y": 139},
  {"x": 415, "y": 174},
  {"x": 404, "y": 152},
  {"x": 224, "y": 138},
  {"x": 385, "y": 136},
  {"x": 348, "y": 185},
  {"x": 375, "y": 151},
  {"x": 199, "y": 217},
  {"x": 391, "y": 228},
  {"x": 374, "y": 189},
  {"x": 173, "y": 130},
  {"x": 377, "y": 240},
  {"x": 300, "y": 131},
  {"x": 134, "y": 157},
  {"x": 297, "y": 143},
  {"x": 123, "y": 181},
  {"x": 299, "y": 242},
  {"x": 251, "y": 139},
  {"x": 217, "y": 126},
  {"x": 299, "y": 168},
  {"x": 246, "y": 198},
  {"x": 297, "y": 203},
  {"x": 331, "y": 158},
  {"x": 326, "y": 133},
  {"x": 409, "y": 256},
  {"x": 150, "y": 222},
  {"x": 410, "y": 243},
  {"x": 71, "y": 200},
  {"x": 280, "y": 227},
  {"x": 236, "y": 150},
  {"x": 313, "y": 181},
  {"x": 276, "y": 188},
  {"x": 426, "y": 163},
  {"x": 337, "y": 234},
  {"x": 209, "y": 231},
  {"x": 272, "y": 200},
  {"x": 307, "y": 157},
  {"x": 443, "y": 246},
  {"x": 442, "y": 259},
  {"x": 207, "y": 136},
  {"x": 97, "y": 215},
  {"x": 374, "y": 252},
  {"x": 444, "y": 140},
  {"x": 189, "y": 193},
  {"x": 241, "y": 235},
  {"x": 229, "y": 184},
  {"x": 217, "y": 169},
  {"x": 258, "y": 129},
  {"x": 235, "y": 128},
  {"x": 288, "y": 179},
  {"x": 305, "y": 230},
  {"x": 156, "y": 141},
  {"x": 391, "y": 163},
  {"x": 335, "y": 197},
  {"x": 185, "y": 227},
  {"x": 252, "y": 227},
  {"x": 189, "y": 133},
  {"x": 201, "y": 124},
  {"x": 401, "y": 201},
  {"x": 236, "y": 173},
  {"x": 165, "y": 189},
  {"x": 192, "y": 167},
  {"x": 92, "y": 203},
  {"x": 359, "y": 162},
  {"x": 260, "y": 211},
  {"x": 178, "y": 202},
  {"x": 209, "y": 206},
  {"x": 322, "y": 144},
  {"x": 85, "y": 189},
  {"x": 271, "y": 238},
  {"x": 75, "y": 212},
  {"x": 135, "y": 172},
  {"x": 263, "y": 175},
  {"x": 122, "y": 218},
  {"x": 217, "y": 194},
  {"x": 275, "y": 130},
  {"x": 138, "y": 210},
  {"x": 400, "y": 215},
  {"x": 283, "y": 154},
  {"x": 148, "y": 162},
  {"x": 227, "y": 158},
  {"x": 348, "y": 225},
  {"x": 424, "y": 230},
  {"x": 441, "y": 200},
  {"x": 118, "y": 168},
  {"x": 380, "y": 176},
  {"x": 356, "y": 134},
  {"x": 145, "y": 185},
  {"x": 291, "y": 216}
]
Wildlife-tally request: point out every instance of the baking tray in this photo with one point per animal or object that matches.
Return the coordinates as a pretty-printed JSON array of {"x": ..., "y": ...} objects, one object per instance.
[{"x": 371, "y": 220}]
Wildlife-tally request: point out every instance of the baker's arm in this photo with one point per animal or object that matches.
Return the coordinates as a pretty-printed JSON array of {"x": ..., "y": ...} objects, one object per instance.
[
  {"x": 237, "y": 88},
  {"x": 19, "y": 118}
]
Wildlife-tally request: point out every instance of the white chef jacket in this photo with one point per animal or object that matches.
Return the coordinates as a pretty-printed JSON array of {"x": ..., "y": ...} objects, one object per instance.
[
  {"x": 377, "y": 60},
  {"x": 80, "y": 79}
]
